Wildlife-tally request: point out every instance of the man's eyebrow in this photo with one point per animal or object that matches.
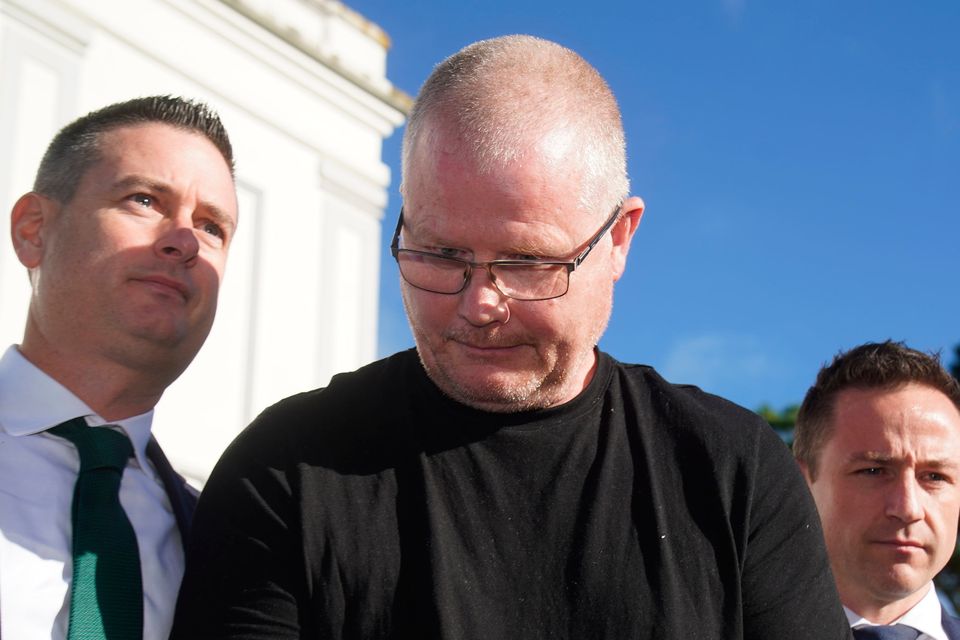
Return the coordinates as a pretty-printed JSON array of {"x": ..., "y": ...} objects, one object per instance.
[
  {"x": 886, "y": 458},
  {"x": 420, "y": 234},
  {"x": 939, "y": 463},
  {"x": 869, "y": 456},
  {"x": 544, "y": 253},
  {"x": 141, "y": 181}
]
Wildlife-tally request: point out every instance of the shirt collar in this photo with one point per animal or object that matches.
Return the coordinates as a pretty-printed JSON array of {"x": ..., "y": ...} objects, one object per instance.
[
  {"x": 31, "y": 401},
  {"x": 925, "y": 616}
]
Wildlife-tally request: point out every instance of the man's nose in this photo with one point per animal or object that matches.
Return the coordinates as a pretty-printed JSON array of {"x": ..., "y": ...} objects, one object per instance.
[
  {"x": 178, "y": 240},
  {"x": 904, "y": 500},
  {"x": 481, "y": 302}
]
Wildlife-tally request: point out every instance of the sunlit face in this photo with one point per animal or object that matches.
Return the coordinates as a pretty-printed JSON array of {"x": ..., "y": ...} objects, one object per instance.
[
  {"x": 479, "y": 347},
  {"x": 888, "y": 492},
  {"x": 130, "y": 268}
]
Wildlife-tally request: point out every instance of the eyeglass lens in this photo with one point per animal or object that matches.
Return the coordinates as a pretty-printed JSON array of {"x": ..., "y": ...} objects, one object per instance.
[{"x": 449, "y": 275}]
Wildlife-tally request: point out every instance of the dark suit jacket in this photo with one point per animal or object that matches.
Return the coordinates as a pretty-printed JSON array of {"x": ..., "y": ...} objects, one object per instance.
[
  {"x": 183, "y": 497},
  {"x": 951, "y": 625}
]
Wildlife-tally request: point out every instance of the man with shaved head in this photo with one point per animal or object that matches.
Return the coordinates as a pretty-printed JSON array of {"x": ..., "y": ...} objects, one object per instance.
[
  {"x": 506, "y": 479},
  {"x": 878, "y": 439}
]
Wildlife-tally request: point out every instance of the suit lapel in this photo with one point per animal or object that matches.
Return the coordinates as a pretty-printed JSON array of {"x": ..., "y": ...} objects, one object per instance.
[
  {"x": 950, "y": 624},
  {"x": 183, "y": 497}
]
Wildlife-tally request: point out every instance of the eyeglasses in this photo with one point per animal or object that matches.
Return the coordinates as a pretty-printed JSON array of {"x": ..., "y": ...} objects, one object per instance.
[{"x": 517, "y": 279}]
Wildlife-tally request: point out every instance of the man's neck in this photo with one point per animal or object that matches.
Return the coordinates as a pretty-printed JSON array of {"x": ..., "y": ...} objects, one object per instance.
[
  {"x": 884, "y": 612},
  {"x": 114, "y": 392}
]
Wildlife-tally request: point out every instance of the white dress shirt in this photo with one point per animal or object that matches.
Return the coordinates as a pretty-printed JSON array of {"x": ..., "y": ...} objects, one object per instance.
[
  {"x": 925, "y": 617},
  {"x": 37, "y": 475}
]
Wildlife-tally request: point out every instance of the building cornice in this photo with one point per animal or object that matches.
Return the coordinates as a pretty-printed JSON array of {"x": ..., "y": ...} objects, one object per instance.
[{"x": 390, "y": 95}]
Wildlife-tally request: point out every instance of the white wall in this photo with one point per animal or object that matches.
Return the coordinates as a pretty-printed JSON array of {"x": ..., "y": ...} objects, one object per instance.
[{"x": 306, "y": 112}]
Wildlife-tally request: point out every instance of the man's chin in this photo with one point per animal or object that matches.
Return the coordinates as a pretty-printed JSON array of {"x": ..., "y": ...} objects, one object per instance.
[
  {"x": 902, "y": 582},
  {"x": 494, "y": 393}
]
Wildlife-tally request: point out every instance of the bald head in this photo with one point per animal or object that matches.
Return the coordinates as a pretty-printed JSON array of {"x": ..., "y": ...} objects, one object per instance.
[{"x": 503, "y": 99}]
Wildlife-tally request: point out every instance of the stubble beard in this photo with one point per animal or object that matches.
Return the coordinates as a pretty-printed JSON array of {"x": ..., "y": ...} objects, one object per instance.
[
  {"x": 521, "y": 391},
  {"x": 540, "y": 387},
  {"x": 530, "y": 390}
]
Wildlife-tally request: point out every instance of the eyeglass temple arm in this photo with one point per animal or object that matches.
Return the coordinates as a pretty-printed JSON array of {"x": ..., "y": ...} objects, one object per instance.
[
  {"x": 609, "y": 223},
  {"x": 395, "y": 243}
]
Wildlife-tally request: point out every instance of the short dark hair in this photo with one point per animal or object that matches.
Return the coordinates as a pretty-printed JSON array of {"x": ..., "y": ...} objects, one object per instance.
[
  {"x": 77, "y": 145},
  {"x": 874, "y": 365}
]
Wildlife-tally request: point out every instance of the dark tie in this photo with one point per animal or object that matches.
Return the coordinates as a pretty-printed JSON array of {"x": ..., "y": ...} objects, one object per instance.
[
  {"x": 106, "y": 601},
  {"x": 886, "y": 632}
]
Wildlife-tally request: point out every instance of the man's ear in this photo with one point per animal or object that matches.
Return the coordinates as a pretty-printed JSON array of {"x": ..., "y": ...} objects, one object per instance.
[
  {"x": 805, "y": 470},
  {"x": 31, "y": 216},
  {"x": 622, "y": 233}
]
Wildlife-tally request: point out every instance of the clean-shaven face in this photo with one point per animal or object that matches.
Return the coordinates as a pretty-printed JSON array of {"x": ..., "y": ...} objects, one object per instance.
[
  {"x": 132, "y": 264},
  {"x": 888, "y": 491}
]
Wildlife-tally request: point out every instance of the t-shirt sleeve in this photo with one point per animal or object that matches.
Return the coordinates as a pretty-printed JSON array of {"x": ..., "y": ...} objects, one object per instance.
[
  {"x": 788, "y": 588},
  {"x": 243, "y": 576}
]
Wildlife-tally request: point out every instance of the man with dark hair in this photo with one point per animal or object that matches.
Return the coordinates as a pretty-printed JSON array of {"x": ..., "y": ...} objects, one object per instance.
[
  {"x": 124, "y": 238},
  {"x": 878, "y": 439},
  {"x": 77, "y": 145},
  {"x": 506, "y": 479}
]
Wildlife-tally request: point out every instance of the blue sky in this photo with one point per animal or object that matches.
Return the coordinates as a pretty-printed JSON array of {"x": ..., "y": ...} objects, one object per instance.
[{"x": 799, "y": 162}]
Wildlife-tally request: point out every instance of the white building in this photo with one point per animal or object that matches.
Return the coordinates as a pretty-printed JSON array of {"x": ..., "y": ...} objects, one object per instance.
[{"x": 301, "y": 87}]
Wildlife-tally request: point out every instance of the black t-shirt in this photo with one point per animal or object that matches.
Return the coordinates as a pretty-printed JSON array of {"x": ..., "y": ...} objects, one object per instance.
[{"x": 379, "y": 508}]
